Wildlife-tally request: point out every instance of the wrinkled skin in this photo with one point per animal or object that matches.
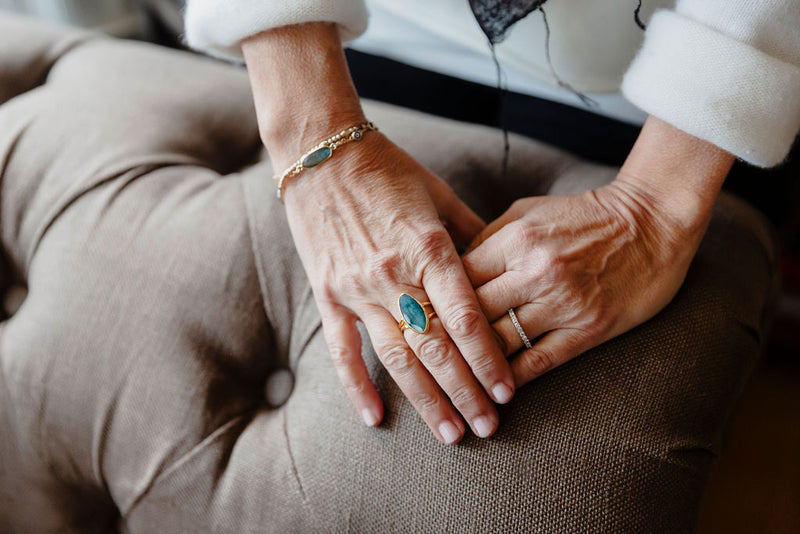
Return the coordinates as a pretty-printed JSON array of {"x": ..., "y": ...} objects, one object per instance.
[{"x": 578, "y": 270}]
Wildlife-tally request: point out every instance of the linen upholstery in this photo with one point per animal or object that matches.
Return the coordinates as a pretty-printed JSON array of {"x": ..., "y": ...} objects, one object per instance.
[{"x": 163, "y": 291}]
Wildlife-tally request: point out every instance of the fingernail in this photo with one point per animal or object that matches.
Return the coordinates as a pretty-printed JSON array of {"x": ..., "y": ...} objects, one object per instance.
[
  {"x": 502, "y": 393},
  {"x": 483, "y": 426},
  {"x": 369, "y": 417},
  {"x": 449, "y": 432}
]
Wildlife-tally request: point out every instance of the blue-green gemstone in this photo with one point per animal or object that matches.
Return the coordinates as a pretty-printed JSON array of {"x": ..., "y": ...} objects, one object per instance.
[
  {"x": 413, "y": 313},
  {"x": 317, "y": 157}
]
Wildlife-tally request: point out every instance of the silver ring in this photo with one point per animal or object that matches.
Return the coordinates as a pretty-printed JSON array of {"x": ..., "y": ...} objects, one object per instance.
[{"x": 518, "y": 326}]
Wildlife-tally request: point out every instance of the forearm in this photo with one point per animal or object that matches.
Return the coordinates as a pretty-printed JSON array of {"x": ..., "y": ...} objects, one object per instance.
[{"x": 302, "y": 88}]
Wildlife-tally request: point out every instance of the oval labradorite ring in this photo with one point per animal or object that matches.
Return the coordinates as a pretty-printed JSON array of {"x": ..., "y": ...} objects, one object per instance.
[{"x": 414, "y": 315}]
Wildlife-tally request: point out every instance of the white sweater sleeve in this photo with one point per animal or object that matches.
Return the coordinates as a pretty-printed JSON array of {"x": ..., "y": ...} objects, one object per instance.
[
  {"x": 726, "y": 71},
  {"x": 218, "y": 27}
]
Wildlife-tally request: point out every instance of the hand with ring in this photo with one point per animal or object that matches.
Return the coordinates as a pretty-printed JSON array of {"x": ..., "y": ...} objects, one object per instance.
[
  {"x": 377, "y": 251},
  {"x": 370, "y": 225},
  {"x": 559, "y": 275}
]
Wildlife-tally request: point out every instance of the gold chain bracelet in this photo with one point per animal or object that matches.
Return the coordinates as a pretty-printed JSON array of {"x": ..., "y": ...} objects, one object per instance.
[{"x": 322, "y": 152}]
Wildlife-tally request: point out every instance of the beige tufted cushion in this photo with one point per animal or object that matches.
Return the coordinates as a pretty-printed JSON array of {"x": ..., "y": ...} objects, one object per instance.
[{"x": 140, "y": 379}]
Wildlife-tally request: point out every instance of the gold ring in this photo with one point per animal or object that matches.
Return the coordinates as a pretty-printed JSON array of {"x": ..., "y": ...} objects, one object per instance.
[{"x": 414, "y": 315}]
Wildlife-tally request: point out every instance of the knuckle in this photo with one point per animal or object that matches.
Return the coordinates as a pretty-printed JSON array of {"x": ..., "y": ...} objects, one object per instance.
[
  {"x": 521, "y": 235},
  {"x": 340, "y": 356},
  {"x": 548, "y": 266},
  {"x": 555, "y": 263},
  {"x": 464, "y": 397},
  {"x": 464, "y": 320},
  {"x": 383, "y": 268},
  {"x": 398, "y": 360},
  {"x": 426, "y": 403},
  {"x": 538, "y": 362},
  {"x": 529, "y": 277},
  {"x": 434, "y": 352},
  {"x": 484, "y": 367},
  {"x": 354, "y": 388},
  {"x": 433, "y": 243}
]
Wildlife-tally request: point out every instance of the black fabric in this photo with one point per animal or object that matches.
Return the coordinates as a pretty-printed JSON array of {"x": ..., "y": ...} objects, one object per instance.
[{"x": 586, "y": 134}]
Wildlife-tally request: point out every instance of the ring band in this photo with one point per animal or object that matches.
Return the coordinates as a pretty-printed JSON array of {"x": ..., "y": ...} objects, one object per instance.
[
  {"x": 414, "y": 315},
  {"x": 518, "y": 326}
]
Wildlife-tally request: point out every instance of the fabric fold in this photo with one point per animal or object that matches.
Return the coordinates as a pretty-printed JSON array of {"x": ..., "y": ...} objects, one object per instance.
[
  {"x": 716, "y": 87},
  {"x": 218, "y": 28}
]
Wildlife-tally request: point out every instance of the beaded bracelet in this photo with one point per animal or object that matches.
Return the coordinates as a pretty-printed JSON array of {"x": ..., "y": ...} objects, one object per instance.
[{"x": 322, "y": 152}]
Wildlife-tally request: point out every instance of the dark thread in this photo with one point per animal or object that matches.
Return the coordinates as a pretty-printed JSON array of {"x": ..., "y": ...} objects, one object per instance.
[
  {"x": 588, "y": 102},
  {"x": 502, "y": 109},
  {"x": 638, "y": 20}
]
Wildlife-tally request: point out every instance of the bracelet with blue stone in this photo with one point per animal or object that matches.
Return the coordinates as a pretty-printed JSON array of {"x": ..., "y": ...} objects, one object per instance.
[{"x": 322, "y": 152}]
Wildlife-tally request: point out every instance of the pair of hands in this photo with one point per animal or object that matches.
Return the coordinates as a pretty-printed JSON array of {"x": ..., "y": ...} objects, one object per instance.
[{"x": 372, "y": 224}]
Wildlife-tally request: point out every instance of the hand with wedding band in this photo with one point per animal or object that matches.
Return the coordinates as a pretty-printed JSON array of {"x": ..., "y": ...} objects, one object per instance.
[
  {"x": 375, "y": 231},
  {"x": 559, "y": 275}
]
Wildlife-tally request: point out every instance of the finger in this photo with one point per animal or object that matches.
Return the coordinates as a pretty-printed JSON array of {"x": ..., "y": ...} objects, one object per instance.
[
  {"x": 461, "y": 222},
  {"x": 554, "y": 349},
  {"x": 534, "y": 319},
  {"x": 452, "y": 296},
  {"x": 443, "y": 361},
  {"x": 510, "y": 215},
  {"x": 509, "y": 290},
  {"x": 488, "y": 261},
  {"x": 344, "y": 345},
  {"x": 412, "y": 378}
]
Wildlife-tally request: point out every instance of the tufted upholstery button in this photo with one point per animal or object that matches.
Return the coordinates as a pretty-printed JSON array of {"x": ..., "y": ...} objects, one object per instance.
[
  {"x": 13, "y": 298},
  {"x": 278, "y": 387}
]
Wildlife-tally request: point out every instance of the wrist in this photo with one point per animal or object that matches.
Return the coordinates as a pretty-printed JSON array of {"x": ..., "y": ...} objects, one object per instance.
[
  {"x": 676, "y": 175},
  {"x": 322, "y": 152},
  {"x": 301, "y": 88},
  {"x": 351, "y": 167},
  {"x": 289, "y": 140}
]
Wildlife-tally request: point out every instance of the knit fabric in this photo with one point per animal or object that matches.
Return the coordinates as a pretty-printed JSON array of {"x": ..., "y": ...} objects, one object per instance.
[
  {"x": 726, "y": 72},
  {"x": 219, "y": 26}
]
